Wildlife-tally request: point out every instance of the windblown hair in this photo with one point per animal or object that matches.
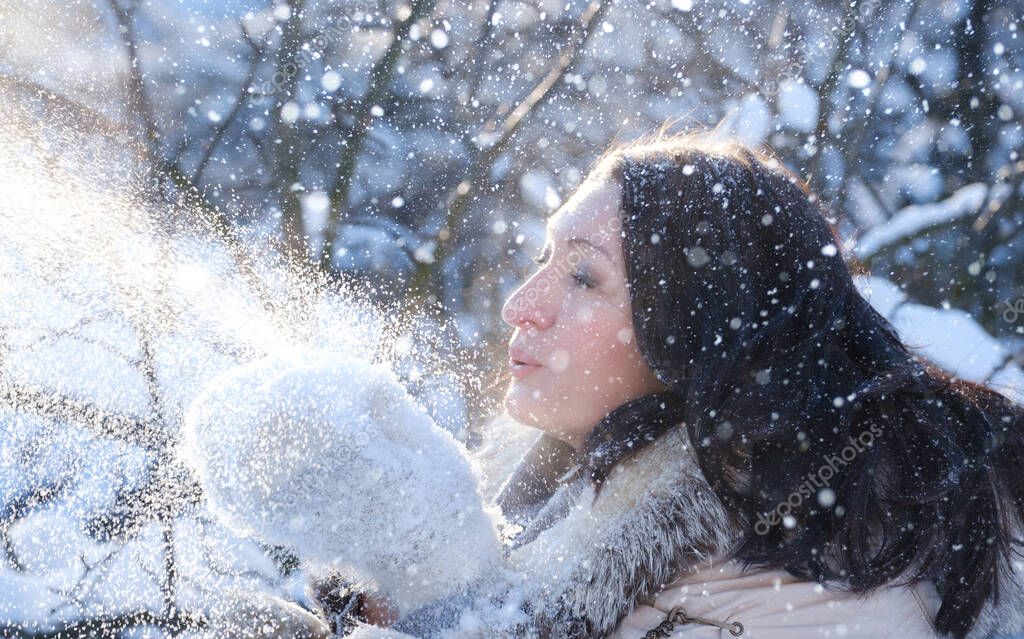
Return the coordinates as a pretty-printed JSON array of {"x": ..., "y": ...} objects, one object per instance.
[{"x": 744, "y": 306}]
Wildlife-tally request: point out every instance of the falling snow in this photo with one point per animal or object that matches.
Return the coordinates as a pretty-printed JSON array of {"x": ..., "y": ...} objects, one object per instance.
[{"x": 253, "y": 258}]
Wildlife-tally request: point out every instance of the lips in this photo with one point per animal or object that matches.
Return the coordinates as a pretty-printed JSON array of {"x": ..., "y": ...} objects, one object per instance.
[
  {"x": 521, "y": 363},
  {"x": 519, "y": 356}
]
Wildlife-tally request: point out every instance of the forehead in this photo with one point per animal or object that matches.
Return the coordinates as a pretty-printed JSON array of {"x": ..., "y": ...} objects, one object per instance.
[{"x": 594, "y": 206}]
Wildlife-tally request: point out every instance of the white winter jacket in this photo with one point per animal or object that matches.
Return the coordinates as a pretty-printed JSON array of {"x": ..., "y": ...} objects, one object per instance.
[{"x": 772, "y": 604}]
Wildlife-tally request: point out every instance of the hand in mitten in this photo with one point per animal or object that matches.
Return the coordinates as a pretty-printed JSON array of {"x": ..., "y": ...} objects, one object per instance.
[
  {"x": 331, "y": 455},
  {"x": 344, "y": 605}
]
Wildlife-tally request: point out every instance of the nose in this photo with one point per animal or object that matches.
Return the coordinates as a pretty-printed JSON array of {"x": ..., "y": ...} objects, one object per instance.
[{"x": 531, "y": 304}]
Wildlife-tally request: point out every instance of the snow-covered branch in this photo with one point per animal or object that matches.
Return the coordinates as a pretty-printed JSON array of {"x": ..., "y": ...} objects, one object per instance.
[
  {"x": 917, "y": 218},
  {"x": 145, "y": 432}
]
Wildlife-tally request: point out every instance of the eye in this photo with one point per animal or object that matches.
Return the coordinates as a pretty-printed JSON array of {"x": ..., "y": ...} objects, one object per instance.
[{"x": 583, "y": 280}]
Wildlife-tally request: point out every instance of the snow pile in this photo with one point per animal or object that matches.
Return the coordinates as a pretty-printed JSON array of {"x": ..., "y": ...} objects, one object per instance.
[
  {"x": 331, "y": 455},
  {"x": 948, "y": 337}
]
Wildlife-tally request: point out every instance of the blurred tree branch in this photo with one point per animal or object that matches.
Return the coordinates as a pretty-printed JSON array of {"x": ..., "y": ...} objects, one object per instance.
[
  {"x": 697, "y": 32},
  {"x": 476, "y": 60},
  {"x": 221, "y": 129},
  {"x": 137, "y": 99},
  {"x": 19, "y": 506},
  {"x": 822, "y": 134},
  {"x": 377, "y": 89},
  {"x": 487, "y": 152},
  {"x": 167, "y": 171},
  {"x": 851, "y": 151},
  {"x": 287, "y": 147}
]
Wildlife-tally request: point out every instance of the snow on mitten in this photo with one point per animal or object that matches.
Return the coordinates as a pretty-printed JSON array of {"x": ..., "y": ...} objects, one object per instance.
[{"x": 331, "y": 455}]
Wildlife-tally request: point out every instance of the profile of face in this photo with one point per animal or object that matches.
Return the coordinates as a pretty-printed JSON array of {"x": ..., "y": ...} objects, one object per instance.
[{"x": 572, "y": 356}]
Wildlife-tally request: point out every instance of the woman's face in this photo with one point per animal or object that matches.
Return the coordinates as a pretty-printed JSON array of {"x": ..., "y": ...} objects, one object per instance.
[{"x": 573, "y": 357}]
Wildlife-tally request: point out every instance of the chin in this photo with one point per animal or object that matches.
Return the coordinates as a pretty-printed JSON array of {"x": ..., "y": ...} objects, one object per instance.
[
  {"x": 516, "y": 412},
  {"x": 529, "y": 412},
  {"x": 521, "y": 408}
]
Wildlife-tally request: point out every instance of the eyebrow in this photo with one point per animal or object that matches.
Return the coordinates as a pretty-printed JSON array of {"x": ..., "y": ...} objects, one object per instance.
[
  {"x": 600, "y": 249},
  {"x": 581, "y": 240}
]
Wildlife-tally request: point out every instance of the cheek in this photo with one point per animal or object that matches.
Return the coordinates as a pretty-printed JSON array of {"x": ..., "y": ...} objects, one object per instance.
[
  {"x": 601, "y": 337},
  {"x": 582, "y": 337},
  {"x": 586, "y": 317},
  {"x": 598, "y": 317}
]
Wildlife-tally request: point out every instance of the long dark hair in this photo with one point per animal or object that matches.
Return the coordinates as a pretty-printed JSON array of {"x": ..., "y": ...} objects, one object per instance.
[{"x": 745, "y": 307}]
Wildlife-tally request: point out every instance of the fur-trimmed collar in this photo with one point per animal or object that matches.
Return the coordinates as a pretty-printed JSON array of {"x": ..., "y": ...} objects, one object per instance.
[{"x": 591, "y": 557}]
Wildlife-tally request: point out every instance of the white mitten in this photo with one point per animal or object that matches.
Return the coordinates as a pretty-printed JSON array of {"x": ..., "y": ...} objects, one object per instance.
[{"x": 332, "y": 456}]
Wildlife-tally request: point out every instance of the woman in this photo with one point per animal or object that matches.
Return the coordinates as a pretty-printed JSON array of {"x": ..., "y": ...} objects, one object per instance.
[{"x": 734, "y": 440}]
